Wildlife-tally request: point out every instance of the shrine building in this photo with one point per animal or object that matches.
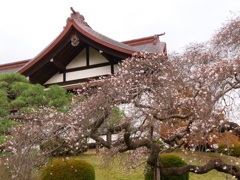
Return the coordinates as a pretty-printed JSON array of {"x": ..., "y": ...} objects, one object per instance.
[{"x": 80, "y": 53}]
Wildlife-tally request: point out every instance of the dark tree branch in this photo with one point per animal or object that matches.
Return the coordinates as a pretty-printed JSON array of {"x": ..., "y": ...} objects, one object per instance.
[
  {"x": 173, "y": 116},
  {"x": 97, "y": 138},
  {"x": 216, "y": 164},
  {"x": 94, "y": 127},
  {"x": 120, "y": 127},
  {"x": 132, "y": 145}
]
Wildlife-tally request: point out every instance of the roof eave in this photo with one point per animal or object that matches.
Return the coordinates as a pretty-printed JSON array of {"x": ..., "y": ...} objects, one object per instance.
[{"x": 25, "y": 68}]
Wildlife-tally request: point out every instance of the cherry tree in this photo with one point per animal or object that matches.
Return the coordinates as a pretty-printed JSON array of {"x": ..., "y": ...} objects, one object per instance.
[{"x": 168, "y": 101}]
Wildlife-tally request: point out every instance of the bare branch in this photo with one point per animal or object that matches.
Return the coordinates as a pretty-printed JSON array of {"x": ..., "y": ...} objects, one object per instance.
[
  {"x": 216, "y": 164},
  {"x": 173, "y": 116}
]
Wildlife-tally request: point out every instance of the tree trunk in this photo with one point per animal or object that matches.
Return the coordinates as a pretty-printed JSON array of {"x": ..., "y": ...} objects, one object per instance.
[
  {"x": 97, "y": 148},
  {"x": 156, "y": 173}
]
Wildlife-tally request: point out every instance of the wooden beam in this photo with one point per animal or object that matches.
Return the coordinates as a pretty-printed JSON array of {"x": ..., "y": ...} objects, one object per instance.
[
  {"x": 33, "y": 80},
  {"x": 88, "y": 67},
  {"x": 112, "y": 68},
  {"x": 58, "y": 64},
  {"x": 87, "y": 56}
]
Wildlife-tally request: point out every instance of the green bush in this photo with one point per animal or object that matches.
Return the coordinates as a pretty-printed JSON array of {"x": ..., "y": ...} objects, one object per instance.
[
  {"x": 235, "y": 151},
  {"x": 67, "y": 150},
  {"x": 232, "y": 151},
  {"x": 168, "y": 161},
  {"x": 3, "y": 138},
  {"x": 6, "y": 125},
  {"x": 68, "y": 169}
]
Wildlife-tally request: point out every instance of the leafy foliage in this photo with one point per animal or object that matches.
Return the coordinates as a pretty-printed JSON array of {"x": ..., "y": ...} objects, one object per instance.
[
  {"x": 186, "y": 93},
  {"x": 3, "y": 138},
  {"x": 232, "y": 151},
  {"x": 17, "y": 96},
  {"x": 229, "y": 144},
  {"x": 17, "y": 93},
  {"x": 168, "y": 161},
  {"x": 66, "y": 169},
  {"x": 6, "y": 125},
  {"x": 115, "y": 117},
  {"x": 4, "y": 105}
]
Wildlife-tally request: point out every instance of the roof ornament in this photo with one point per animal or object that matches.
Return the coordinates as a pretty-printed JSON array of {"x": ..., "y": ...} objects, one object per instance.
[
  {"x": 74, "y": 12},
  {"x": 74, "y": 40},
  {"x": 155, "y": 37},
  {"x": 160, "y": 34},
  {"x": 78, "y": 17}
]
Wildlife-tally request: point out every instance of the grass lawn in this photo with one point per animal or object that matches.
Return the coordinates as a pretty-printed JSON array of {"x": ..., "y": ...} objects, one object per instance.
[
  {"x": 114, "y": 172},
  {"x": 201, "y": 158}
]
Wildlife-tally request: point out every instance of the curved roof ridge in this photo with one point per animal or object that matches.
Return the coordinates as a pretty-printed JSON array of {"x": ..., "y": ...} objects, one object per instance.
[
  {"x": 78, "y": 17},
  {"x": 106, "y": 39},
  {"x": 80, "y": 21},
  {"x": 150, "y": 39}
]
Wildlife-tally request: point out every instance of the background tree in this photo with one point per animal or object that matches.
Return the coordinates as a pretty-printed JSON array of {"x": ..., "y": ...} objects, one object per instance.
[
  {"x": 17, "y": 95},
  {"x": 187, "y": 92}
]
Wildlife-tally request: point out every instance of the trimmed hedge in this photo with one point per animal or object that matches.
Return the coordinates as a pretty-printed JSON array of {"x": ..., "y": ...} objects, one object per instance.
[
  {"x": 168, "y": 161},
  {"x": 68, "y": 169}
]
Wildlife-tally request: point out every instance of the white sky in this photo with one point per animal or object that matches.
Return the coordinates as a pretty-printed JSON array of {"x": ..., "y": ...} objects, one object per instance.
[{"x": 28, "y": 26}]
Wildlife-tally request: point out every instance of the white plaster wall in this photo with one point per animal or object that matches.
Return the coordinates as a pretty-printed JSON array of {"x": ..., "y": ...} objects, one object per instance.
[
  {"x": 78, "y": 61},
  {"x": 95, "y": 57},
  {"x": 88, "y": 73},
  {"x": 115, "y": 68},
  {"x": 55, "y": 79}
]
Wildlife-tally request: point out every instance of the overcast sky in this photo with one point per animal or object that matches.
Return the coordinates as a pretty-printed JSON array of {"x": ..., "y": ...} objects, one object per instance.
[{"x": 28, "y": 26}]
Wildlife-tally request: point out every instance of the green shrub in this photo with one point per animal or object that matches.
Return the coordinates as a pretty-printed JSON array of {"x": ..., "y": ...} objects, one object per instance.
[
  {"x": 67, "y": 150},
  {"x": 68, "y": 169},
  {"x": 232, "y": 151},
  {"x": 3, "y": 138},
  {"x": 168, "y": 161},
  {"x": 235, "y": 151},
  {"x": 6, "y": 125}
]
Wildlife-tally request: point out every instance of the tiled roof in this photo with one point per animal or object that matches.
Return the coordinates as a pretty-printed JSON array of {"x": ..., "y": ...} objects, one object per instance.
[
  {"x": 12, "y": 67},
  {"x": 150, "y": 48},
  {"x": 79, "y": 19},
  {"x": 149, "y": 44}
]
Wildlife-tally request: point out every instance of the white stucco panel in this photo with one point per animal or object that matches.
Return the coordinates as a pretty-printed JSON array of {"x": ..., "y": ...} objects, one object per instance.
[
  {"x": 116, "y": 68},
  {"x": 55, "y": 79},
  {"x": 95, "y": 57},
  {"x": 88, "y": 73},
  {"x": 78, "y": 61}
]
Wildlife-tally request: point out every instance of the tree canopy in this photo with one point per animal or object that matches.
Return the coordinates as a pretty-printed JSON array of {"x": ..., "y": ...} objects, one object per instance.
[
  {"x": 174, "y": 100},
  {"x": 17, "y": 93}
]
